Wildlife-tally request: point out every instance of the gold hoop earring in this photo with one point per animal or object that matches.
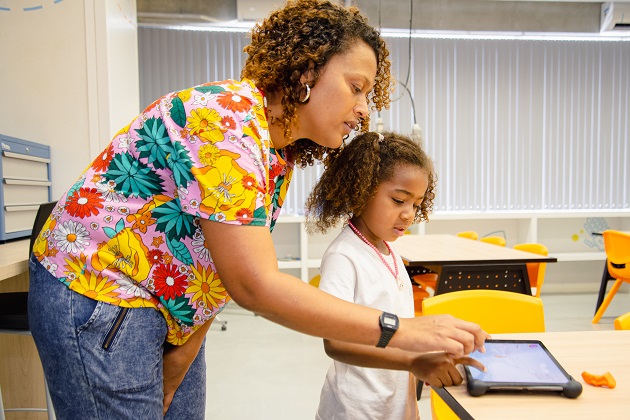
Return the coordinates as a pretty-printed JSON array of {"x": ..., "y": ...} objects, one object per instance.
[{"x": 308, "y": 94}]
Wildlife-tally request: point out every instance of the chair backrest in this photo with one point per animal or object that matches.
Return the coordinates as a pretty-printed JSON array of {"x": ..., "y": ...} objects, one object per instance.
[
  {"x": 513, "y": 278},
  {"x": 617, "y": 247},
  {"x": 536, "y": 271},
  {"x": 314, "y": 281},
  {"x": 496, "y": 311},
  {"x": 468, "y": 234},
  {"x": 623, "y": 322},
  {"x": 44, "y": 211},
  {"x": 494, "y": 240}
]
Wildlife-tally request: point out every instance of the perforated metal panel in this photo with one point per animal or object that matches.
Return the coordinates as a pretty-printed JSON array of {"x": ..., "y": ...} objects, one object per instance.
[{"x": 511, "y": 278}]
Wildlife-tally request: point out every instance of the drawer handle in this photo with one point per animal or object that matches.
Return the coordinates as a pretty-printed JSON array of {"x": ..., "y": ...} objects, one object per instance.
[
  {"x": 10, "y": 181},
  {"x": 24, "y": 157},
  {"x": 20, "y": 207}
]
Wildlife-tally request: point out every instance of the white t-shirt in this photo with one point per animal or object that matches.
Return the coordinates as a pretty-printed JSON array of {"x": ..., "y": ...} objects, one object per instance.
[{"x": 352, "y": 271}]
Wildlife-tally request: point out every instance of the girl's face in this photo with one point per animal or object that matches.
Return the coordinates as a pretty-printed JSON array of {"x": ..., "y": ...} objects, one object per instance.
[
  {"x": 391, "y": 211},
  {"x": 338, "y": 99}
]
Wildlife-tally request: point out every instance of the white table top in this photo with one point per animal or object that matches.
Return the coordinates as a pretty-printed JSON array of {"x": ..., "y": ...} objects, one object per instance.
[
  {"x": 451, "y": 249},
  {"x": 596, "y": 352}
]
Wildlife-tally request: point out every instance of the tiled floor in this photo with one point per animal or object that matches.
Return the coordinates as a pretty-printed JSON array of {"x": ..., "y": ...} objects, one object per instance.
[{"x": 259, "y": 370}]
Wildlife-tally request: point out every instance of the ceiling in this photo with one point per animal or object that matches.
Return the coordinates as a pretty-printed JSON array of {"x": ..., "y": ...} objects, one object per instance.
[{"x": 538, "y": 16}]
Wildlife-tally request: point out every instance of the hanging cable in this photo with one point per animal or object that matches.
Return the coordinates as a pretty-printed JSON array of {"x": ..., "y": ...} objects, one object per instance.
[
  {"x": 409, "y": 42},
  {"x": 415, "y": 128}
]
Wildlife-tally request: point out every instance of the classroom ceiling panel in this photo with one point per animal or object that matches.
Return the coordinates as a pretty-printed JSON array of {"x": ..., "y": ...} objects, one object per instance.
[{"x": 579, "y": 16}]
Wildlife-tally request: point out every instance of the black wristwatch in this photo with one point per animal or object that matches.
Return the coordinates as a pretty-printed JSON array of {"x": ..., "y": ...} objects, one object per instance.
[{"x": 389, "y": 325}]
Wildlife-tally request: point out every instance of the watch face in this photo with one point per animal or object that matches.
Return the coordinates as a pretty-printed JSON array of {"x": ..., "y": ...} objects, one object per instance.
[
  {"x": 389, "y": 321},
  {"x": 389, "y": 325}
]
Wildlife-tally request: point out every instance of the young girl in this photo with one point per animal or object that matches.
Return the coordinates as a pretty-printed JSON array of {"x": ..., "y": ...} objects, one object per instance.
[{"x": 380, "y": 184}]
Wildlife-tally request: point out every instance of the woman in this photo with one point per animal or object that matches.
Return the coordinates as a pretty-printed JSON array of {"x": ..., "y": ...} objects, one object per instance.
[{"x": 173, "y": 219}]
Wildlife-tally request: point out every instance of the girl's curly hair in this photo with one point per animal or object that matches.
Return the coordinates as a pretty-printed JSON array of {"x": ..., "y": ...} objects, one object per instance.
[
  {"x": 303, "y": 35},
  {"x": 355, "y": 173}
]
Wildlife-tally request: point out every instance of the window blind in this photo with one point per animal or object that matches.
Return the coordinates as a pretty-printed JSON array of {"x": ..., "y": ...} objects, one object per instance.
[{"x": 512, "y": 124}]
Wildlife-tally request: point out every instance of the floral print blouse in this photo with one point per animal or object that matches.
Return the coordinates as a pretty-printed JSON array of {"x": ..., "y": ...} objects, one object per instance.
[{"x": 128, "y": 232}]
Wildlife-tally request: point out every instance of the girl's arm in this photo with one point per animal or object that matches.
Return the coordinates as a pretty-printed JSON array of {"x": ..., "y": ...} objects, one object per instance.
[
  {"x": 437, "y": 368},
  {"x": 246, "y": 262}
]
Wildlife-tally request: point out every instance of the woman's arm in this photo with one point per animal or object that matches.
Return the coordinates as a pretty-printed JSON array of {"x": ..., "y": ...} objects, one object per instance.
[
  {"x": 177, "y": 361},
  {"x": 246, "y": 262}
]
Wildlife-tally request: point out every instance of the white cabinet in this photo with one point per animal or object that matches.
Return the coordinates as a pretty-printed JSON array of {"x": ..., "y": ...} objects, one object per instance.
[
  {"x": 568, "y": 235},
  {"x": 25, "y": 171}
]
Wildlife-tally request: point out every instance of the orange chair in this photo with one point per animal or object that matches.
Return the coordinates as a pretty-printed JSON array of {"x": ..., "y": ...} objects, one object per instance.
[
  {"x": 535, "y": 271},
  {"x": 494, "y": 240},
  {"x": 617, "y": 246},
  {"x": 468, "y": 234},
  {"x": 623, "y": 322},
  {"x": 423, "y": 287}
]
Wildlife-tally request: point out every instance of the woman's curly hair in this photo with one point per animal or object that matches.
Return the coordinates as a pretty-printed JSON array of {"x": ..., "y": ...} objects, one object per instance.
[
  {"x": 355, "y": 173},
  {"x": 303, "y": 35}
]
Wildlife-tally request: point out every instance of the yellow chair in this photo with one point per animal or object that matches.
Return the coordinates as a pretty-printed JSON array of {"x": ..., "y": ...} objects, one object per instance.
[
  {"x": 535, "y": 271},
  {"x": 315, "y": 280},
  {"x": 494, "y": 240},
  {"x": 617, "y": 246},
  {"x": 623, "y": 322},
  {"x": 468, "y": 234},
  {"x": 496, "y": 311}
]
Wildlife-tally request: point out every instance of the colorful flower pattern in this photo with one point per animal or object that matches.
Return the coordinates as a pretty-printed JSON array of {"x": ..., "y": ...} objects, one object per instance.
[{"x": 128, "y": 233}]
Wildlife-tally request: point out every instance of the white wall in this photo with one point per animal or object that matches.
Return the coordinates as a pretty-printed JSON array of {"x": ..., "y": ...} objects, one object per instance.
[{"x": 68, "y": 76}]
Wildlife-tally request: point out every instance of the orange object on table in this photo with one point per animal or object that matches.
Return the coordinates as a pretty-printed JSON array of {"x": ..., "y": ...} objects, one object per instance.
[{"x": 605, "y": 380}]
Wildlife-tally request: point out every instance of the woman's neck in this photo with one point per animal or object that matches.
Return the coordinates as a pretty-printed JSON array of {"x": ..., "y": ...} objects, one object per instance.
[{"x": 273, "y": 111}]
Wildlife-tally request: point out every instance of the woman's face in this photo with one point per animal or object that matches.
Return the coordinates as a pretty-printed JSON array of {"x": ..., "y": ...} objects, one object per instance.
[{"x": 339, "y": 98}]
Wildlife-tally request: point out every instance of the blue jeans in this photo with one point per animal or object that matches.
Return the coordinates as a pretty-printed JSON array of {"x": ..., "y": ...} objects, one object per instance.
[{"x": 102, "y": 361}]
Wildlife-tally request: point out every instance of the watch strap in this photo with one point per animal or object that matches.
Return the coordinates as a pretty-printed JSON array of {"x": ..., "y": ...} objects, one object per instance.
[
  {"x": 385, "y": 337},
  {"x": 389, "y": 325}
]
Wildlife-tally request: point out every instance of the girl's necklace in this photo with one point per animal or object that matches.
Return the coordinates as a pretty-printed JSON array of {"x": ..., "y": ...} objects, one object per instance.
[{"x": 380, "y": 255}]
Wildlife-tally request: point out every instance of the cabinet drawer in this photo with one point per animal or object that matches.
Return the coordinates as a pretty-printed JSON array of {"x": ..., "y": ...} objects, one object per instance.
[
  {"x": 19, "y": 218},
  {"x": 24, "y": 147},
  {"x": 24, "y": 166},
  {"x": 20, "y": 192}
]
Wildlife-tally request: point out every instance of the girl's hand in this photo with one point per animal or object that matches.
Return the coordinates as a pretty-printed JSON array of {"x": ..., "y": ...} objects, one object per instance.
[{"x": 439, "y": 369}]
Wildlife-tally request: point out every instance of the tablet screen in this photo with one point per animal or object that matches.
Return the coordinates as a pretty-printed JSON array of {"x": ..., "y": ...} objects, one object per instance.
[{"x": 517, "y": 362}]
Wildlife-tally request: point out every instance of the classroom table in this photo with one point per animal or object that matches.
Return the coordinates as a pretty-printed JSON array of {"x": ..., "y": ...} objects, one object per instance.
[
  {"x": 13, "y": 258},
  {"x": 465, "y": 263},
  {"x": 596, "y": 352},
  {"x": 21, "y": 375}
]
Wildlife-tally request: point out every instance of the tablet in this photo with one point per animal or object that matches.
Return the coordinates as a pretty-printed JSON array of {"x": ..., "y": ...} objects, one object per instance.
[{"x": 519, "y": 365}]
